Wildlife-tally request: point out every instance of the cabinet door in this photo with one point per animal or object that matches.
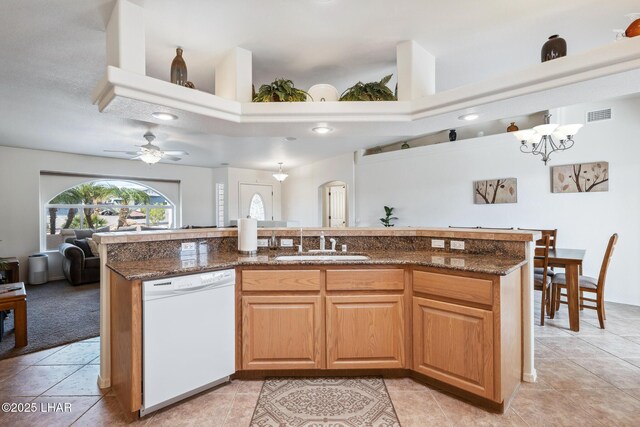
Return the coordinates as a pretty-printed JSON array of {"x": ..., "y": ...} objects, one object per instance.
[
  {"x": 454, "y": 344},
  {"x": 282, "y": 332},
  {"x": 365, "y": 331}
]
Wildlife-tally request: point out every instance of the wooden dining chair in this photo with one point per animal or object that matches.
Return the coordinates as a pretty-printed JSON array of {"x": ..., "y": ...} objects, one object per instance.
[
  {"x": 587, "y": 285},
  {"x": 553, "y": 236},
  {"x": 542, "y": 282}
]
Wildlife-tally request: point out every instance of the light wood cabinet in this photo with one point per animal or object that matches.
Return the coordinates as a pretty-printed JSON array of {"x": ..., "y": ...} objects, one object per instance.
[
  {"x": 365, "y": 331},
  {"x": 454, "y": 344},
  {"x": 280, "y": 280},
  {"x": 365, "y": 279},
  {"x": 282, "y": 332}
]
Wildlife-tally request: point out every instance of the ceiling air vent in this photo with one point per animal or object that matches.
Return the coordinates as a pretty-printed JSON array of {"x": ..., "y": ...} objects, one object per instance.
[{"x": 599, "y": 115}]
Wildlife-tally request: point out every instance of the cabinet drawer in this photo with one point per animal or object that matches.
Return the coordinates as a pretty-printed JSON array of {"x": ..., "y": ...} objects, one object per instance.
[
  {"x": 455, "y": 287},
  {"x": 365, "y": 279},
  {"x": 281, "y": 280}
]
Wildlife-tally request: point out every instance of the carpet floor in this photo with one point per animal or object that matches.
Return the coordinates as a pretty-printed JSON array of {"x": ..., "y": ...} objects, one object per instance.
[
  {"x": 57, "y": 313},
  {"x": 304, "y": 402}
]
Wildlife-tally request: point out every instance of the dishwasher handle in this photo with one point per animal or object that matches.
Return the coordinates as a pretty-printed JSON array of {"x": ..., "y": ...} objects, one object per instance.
[{"x": 149, "y": 295}]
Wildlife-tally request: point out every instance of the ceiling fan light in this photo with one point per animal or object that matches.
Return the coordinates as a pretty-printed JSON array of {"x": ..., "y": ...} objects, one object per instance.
[
  {"x": 150, "y": 158},
  {"x": 160, "y": 115},
  {"x": 568, "y": 130}
]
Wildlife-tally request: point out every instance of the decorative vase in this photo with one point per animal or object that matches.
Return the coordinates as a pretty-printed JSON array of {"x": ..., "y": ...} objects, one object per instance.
[
  {"x": 179, "y": 69},
  {"x": 555, "y": 47},
  {"x": 633, "y": 30},
  {"x": 452, "y": 135},
  {"x": 513, "y": 127}
]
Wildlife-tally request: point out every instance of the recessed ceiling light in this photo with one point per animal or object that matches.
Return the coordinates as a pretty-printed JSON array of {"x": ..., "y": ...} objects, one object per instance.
[
  {"x": 469, "y": 117},
  {"x": 290, "y": 138},
  {"x": 164, "y": 116},
  {"x": 224, "y": 164},
  {"x": 322, "y": 129}
]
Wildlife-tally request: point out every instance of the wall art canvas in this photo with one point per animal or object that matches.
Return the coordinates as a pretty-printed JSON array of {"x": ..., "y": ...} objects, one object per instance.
[
  {"x": 494, "y": 191},
  {"x": 581, "y": 178}
]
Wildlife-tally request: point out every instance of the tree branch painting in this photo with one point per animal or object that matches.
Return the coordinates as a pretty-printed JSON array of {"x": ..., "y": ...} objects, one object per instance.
[
  {"x": 496, "y": 191},
  {"x": 581, "y": 178}
]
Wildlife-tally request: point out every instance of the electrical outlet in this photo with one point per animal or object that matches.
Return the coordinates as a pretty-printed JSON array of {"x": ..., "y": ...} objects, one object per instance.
[
  {"x": 286, "y": 243},
  {"x": 263, "y": 243},
  {"x": 189, "y": 247},
  {"x": 437, "y": 243},
  {"x": 189, "y": 262},
  {"x": 437, "y": 260},
  {"x": 457, "y": 244}
]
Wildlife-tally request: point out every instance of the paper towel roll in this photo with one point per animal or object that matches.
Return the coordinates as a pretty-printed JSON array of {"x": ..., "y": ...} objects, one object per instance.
[{"x": 247, "y": 236}]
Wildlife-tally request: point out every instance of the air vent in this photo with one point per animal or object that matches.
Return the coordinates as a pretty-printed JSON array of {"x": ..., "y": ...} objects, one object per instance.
[{"x": 599, "y": 115}]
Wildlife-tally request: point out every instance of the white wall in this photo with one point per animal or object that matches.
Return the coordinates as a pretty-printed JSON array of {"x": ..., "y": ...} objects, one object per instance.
[
  {"x": 237, "y": 176},
  {"x": 301, "y": 191},
  {"x": 21, "y": 217},
  {"x": 432, "y": 186}
]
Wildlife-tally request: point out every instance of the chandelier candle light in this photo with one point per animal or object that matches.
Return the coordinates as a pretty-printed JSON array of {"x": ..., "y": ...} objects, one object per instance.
[
  {"x": 547, "y": 138},
  {"x": 280, "y": 176}
]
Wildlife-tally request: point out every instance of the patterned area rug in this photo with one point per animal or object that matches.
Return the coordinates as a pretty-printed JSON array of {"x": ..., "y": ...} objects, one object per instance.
[{"x": 335, "y": 402}]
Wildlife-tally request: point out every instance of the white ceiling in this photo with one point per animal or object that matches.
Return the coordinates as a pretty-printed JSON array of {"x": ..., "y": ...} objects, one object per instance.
[{"x": 54, "y": 54}]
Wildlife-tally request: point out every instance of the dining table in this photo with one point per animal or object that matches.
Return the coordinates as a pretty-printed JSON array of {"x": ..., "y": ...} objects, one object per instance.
[{"x": 571, "y": 261}]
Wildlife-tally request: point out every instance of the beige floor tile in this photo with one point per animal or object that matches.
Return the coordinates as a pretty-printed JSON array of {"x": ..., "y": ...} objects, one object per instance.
[
  {"x": 83, "y": 382},
  {"x": 461, "y": 413},
  {"x": 548, "y": 330},
  {"x": 95, "y": 361},
  {"x": 615, "y": 371},
  {"x": 31, "y": 358},
  {"x": 550, "y": 408},
  {"x": 617, "y": 346},
  {"x": 633, "y": 392},
  {"x": 250, "y": 387},
  {"x": 565, "y": 375},
  {"x": 633, "y": 339},
  {"x": 108, "y": 413},
  {"x": 634, "y": 361},
  {"x": 35, "y": 380},
  {"x": 241, "y": 410},
  {"x": 622, "y": 327},
  {"x": 542, "y": 351},
  {"x": 54, "y": 411},
  {"x": 405, "y": 384},
  {"x": 572, "y": 347},
  {"x": 8, "y": 416},
  {"x": 10, "y": 367},
  {"x": 417, "y": 408},
  {"x": 208, "y": 409},
  {"x": 73, "y": 354},
  {"x": 608, "y": 406}
]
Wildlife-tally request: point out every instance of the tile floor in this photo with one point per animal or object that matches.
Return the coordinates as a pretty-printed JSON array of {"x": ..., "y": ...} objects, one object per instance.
[{"x": 589, "y": 378}]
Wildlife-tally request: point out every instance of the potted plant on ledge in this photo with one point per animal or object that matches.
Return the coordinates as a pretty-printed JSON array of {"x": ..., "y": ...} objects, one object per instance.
[
  {"x": 280, "y": 90},
  {"x": 388, "y": 217},
  {"x": 373, "y": 91}
]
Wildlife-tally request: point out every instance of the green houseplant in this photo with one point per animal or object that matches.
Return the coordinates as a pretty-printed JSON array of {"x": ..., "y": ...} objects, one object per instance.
[
  {"x": 388, "y": 217},
  {"x": 280, "y": 90},
  {"x": 372, "y": 91}
]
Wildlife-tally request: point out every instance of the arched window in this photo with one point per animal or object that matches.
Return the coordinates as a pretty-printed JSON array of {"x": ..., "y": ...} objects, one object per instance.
[
  {"x": 106, "y": 205},
  {"x": 256, "y": 207}
]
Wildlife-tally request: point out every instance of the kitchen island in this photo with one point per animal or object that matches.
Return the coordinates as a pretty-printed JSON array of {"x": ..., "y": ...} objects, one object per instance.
[{"x": 460, "y": 319}]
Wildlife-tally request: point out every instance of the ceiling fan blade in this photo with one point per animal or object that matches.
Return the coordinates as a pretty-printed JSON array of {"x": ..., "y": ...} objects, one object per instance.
[
  {"x": 176, "y": 153},
  {"x": 174, "y": 158},
  {"x": 131, "y": 153},
  {"x": 136, "y": 157}
]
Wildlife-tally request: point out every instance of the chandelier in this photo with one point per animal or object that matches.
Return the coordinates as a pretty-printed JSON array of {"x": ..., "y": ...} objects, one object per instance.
[
  {"x": 545, "y": 139},
  {"x": 280, "y": 176}
]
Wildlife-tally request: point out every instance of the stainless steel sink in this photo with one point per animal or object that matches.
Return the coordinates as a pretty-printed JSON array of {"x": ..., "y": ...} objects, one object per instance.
[{"x": 322, "y": 258}]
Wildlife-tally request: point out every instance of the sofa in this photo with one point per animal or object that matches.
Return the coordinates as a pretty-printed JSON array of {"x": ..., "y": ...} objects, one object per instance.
[{"x": 77, "y": 267}]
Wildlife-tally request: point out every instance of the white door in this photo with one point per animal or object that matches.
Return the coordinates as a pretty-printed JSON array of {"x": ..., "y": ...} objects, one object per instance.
[
  {"x": 337, "y": 197},
  {"x": 256, "y": 201}
]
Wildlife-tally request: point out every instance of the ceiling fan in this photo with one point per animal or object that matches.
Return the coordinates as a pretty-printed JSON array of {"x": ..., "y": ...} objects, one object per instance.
[{"x": 150, "y": 153}]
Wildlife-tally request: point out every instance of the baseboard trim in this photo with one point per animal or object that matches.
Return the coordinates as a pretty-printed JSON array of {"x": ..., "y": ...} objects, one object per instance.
[
  {"x": 530, "y": 377},
  {"x": 104, "y": 382}
]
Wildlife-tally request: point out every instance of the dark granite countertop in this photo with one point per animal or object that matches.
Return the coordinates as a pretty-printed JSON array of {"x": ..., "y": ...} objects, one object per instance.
[{"x": 165, "y": 267}]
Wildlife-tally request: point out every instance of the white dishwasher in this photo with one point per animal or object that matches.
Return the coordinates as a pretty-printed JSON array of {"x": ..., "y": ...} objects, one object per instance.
[{"x": 188, "y": 336}]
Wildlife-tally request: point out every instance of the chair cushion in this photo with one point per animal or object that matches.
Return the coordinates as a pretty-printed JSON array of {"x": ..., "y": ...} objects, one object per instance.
[
  {"x": 538, "y": 281},
  {"x": 550, "y": 272},
  {"x": 585, "y": 281},
  {"x": 82, "y": 244},
  {"x": 93, "y": 262}
]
